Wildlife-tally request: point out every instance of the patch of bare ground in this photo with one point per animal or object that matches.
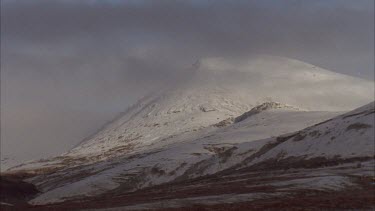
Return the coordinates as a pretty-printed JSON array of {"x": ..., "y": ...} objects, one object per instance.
[
  {"x": 358, "y": 126},
  {"x": 28, "y": 173},
  {"x": 301, "y": 162},
  {"x": 301, "y": 200},
  {"x": 224, "y": 122},
  {"x": 13, "y": 190}
]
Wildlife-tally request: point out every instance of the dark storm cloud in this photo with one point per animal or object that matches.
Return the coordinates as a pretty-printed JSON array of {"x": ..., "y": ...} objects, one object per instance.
[
  {"x": 194, "y": 29},
  {"x": 99, "y": 56},
  {"x": 76, "y": 33}
]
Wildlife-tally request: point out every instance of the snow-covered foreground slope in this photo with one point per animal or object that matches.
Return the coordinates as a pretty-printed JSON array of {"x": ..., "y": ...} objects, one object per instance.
[
  {"x": 345, "y": 138},
  {"x": 184, "y": 150}
]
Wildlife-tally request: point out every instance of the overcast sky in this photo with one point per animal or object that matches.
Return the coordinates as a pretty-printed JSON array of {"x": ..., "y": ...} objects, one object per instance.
[{"x": 67, "y": 66}]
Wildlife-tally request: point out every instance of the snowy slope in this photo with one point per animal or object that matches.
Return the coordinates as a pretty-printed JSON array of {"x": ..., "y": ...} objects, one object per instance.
[
  {"x": 237, "y": 146},
  {"x": 347, "y": 136}
]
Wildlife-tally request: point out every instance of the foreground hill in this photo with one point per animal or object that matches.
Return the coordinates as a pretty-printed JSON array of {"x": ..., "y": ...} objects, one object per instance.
[{"x": 327, "y": 165}]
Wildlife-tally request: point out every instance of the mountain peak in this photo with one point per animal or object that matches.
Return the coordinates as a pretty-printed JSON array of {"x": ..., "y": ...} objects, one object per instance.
[{"x": 272, "y": 78}]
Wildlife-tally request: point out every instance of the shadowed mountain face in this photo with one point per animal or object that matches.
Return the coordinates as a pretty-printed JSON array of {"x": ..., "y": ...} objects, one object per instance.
[
  {"x": 13, "y": 190},
  {"x": 231, "y": 121}
]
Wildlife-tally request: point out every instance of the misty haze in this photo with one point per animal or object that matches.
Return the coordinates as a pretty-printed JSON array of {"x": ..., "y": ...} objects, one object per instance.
[{"x": 187, "y": 105}]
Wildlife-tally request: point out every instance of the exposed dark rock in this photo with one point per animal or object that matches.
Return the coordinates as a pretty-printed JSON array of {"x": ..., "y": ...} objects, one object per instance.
[
  {"x": 14, "y": 190},
  {"x": 358, "y": 126}
]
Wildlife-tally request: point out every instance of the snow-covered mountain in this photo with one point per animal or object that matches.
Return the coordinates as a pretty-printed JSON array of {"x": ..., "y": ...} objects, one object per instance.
[
  {"x": 228, "y": 115},
  {"x": 219, "y": 89}
]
